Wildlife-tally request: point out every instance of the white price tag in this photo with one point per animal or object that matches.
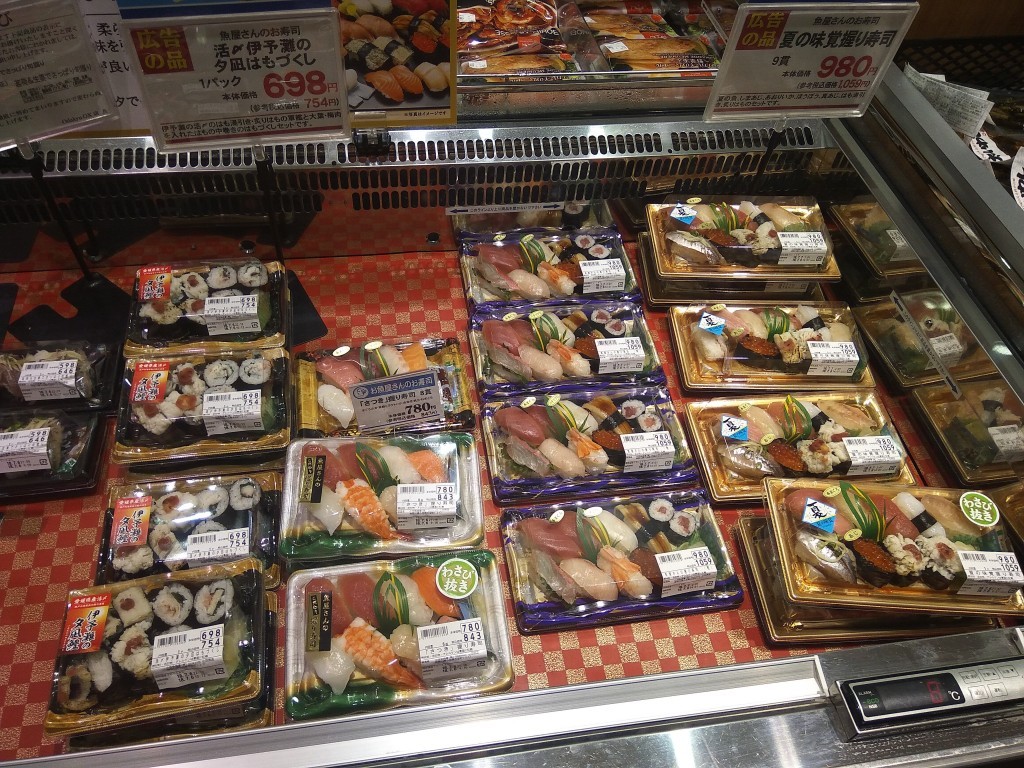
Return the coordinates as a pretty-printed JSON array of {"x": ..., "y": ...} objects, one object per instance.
[
  {"x": 786, "y": 286},
  {"x": 188, "y": 657},
  {"x": 820, "y": 515},
  {"x": 876, "y": 455},
  {"x": 903, "y": 250},
  {"x": 49, "y": 380},
  {"x": 622, "y": 355},
  {"x": 734, "y": 428},
  {"x": 232, "y": 314},
  {"x": 603, "y": 275},
  {"x": 24, "y": 450},
  {"x": 689, "y": 570},
  {"x": 426, "y": 505},
  {"x": 452, "y": 650},
  {"x": 990, "y": 573},
  {"x": 802, "y": 249},
  {"x": 648, "y": 451},
  {"x": 964, "y": 110},
  {"x": 217, "y": 545},
  {"x": 615, "y": 47},
  {"x": 396, "y": 401},
  {"x": 832, "y": 358},
  {"x": 711, "y": 323},
  {"x": 467, "y": 18},
  {"x": 477, "y": 64},
  {"x": 1009, "y": 440},
  {"x": 225, "y": 412},
  {"x": 948, "y": 348},
  {"x": 984, "y": 147}
]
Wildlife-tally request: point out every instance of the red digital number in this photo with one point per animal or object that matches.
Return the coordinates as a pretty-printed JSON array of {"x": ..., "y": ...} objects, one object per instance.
[
  {"x": 935, "y": 691},
  {"x": 842, "y": 67},
  {"x": 295, "y": 84}
]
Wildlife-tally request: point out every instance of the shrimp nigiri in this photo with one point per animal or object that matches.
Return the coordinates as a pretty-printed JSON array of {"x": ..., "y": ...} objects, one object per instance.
[
  {"x": 374, "y": 656},
  {"x": 572, "y": 362},
  {"x": 557, "y": 279},
  {"x": 365, "y": 510},
  {"x": 593, "y": 456}
]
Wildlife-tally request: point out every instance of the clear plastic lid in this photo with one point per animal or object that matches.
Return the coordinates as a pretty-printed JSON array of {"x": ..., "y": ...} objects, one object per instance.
[{"x": 70, "y": 375}]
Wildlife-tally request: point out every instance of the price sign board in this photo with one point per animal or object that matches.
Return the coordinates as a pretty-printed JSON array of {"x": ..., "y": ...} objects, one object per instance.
[
  {"x": 231, "y": 80},
  {"x": 826, "y": 60}
]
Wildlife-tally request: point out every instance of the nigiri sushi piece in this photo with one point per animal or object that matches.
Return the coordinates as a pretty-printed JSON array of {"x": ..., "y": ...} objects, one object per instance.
[
  {"x": 398, "y": 463},
  {"x": 554, "y": 578},
  {"x": 330, "y": 511},
  {"x": 557, "y": 279},
  {"x": 825, "y": 554},
  {"x": 529, "y": 457},
  {"x": 365, "y": 510},
  {"x": 593, "y": 456},
  {"x": 432, "y": 76},
  {"x": 748, "y": 459},
  {"x": 896, "y": 523},
  {"x": 409, "y": 82},
  {"x": 855, "y": 420},
  {"x": 502, "y": 258},
  {"x": 589, "y": 578},
  {"x": 334, "y": 667},
  {"x": 496, "y": 277},
  {"x": 916, "y": 513},
  {"x": 373, "y": 655},
  {"x": 389, "y": 360},
  {"x": 760, "y": 423},
  {"x": 624, "y": 572},
  {"x": 711, "y": 347},
  {"x": 377, "y": 26},
  {"x": 784, "y": 220},
  {"x": 336, "y": 402},
  {"x": 341, "y": 373},
  {"x": 558, "y": 540},
  {"x": 542, "y": 366},
  {"x": 503, "y": 335},
  {"x": 419, "y": 612},
  {"x": 565, "y": 462},
  {"x": 620, "y": 535},
  {"x": 518, "y": 423},
  {"x": 575, "y": 417},
  {"x": 572, "y": 362},
  {"x": 415, "y": 357},
  {"x": 530, "y": 286},
  {"x": 335, "y": 470},
  {"x": 385, "y": 84},
  {"x": 429, "y": 465},
  {"x": 426, "y": 579}
]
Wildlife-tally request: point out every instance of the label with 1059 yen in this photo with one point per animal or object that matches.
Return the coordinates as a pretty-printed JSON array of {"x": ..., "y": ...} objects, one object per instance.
[
  {"x": 648, "y": 451},
  {"x": 621, "y": 355},
  {"x": 807, "y": 249},
  {"x": 990, "y": 573},
  {"x": 688, "y": 570},
  {"x": 602, "y": 276},
  {"x": 873, "y": 455},
  {"x": 397, "y": 401},
  {"x": 832, "y": 358}
]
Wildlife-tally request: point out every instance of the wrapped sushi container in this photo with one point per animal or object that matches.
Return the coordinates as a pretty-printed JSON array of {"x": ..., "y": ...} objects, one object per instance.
[
  {"x": 560, "y": 216},
  {"x": 583, "y": 443},
  {"x": 786, "y": 623},
  {"x": 199, "y": 308},
  {"x": 742, "y": 239},
  {"x": 769, "y": 347},
  {"x": 902, "y": 349},
  {"x": 359, "y": 497},
  {"x": 837, "y": 434},
  {"x": 979, "y": 434},
  {"x": 47, "y": 453},
  {"x": 527, "y": 267},
  {"x": 324, "y": 380},
  {"x": 562, "y": 347},
  {"x": 137, "y": 652},
  {"x": 186, "y": 409},
  {"x": 887, "y": 546},
  {"x": 384, "y": 633},
  {"x": 72, "y": 376},
  {"x": 615, "y": 560},
  {"x": 172, "y": 525},
  {"x": 882, "y": 246}
]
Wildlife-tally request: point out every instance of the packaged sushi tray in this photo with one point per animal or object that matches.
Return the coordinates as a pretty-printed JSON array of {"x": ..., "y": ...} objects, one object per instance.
[
  {"x": 862, "y": 286},
  {"x": 72, "y": 376},
  {"x": 616, "y": 560},
  {"x": 786, "y": 623},
  {"x": 527, "y": 267},
  {"x": 741, "y": 238},
  {"x": 584, "y": 442},
  {"x": 498, "y": 28},
  {"x": 562, "y": 347},
  {"x": 168, "y": 526},
  {"x": 347, "y": 498},
  {"x": 838, "y": 434},
  {"x": 324, "y": 379},
  {"x": 197, "y": 308},
  {"x": 889, "y": 546},
  {"x": 764, "y": 346},
  {"x": 140, "y": 651},
  {"x": 388, "y": 633},
  {"x": 978, "y": 434},
  {"x": 901, "y": 349},
  {"x": 572, "y": 215},
  {"x": 46, "y": 453},
  {"x": 885, "y": 250},
  {"x": 177, "y": 409}
]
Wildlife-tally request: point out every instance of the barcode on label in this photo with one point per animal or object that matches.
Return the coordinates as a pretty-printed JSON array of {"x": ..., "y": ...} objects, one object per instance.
[
  {"x": 433, "y": 631},
  {"x": 166, "y": 640},
  {"x": 672, "y": 557},
  {"x": 976, "y": 556},
  {"x": 220, "y": 398},
  {"x": 203, "y": 538}
]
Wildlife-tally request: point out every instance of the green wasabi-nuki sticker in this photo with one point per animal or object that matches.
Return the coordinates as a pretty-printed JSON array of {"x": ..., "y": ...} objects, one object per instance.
[
  {"x": 979, "y": 509},
  {"x": 457, "y": 578}
]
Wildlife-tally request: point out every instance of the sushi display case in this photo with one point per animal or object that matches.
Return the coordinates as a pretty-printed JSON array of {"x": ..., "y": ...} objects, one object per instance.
[
  {"x": 881, "y": 245},
  {"x": 71, "y": 376},
  {"x": 611, "y": 560}
]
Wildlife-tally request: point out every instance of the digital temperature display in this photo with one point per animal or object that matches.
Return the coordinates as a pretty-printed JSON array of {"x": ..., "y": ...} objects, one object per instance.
[{"x": 910, "y": 694}]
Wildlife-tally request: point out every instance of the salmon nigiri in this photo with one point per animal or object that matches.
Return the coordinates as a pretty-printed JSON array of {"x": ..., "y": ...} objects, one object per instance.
[
  {"x": 386, "y": 85},
  {"x": 409, "y": 82}
]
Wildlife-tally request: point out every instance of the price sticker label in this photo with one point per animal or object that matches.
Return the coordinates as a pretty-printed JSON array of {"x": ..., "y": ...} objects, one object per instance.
[
  {"x": 397, "y": 401},
  {"x": 786, "y": 286},
  {"x": 615, "y": 47},
  {"x": 689, "y": 570},
  {"x": 948, "y": 348},
  {"x": 1009, "y": 440},
  {"x": 820, "y": 515},
  {"x": 875, "y": 455},
  {"x": 188, "y": 657},
  {"x": 711, "y": 323},
  {"x": 466, "y": 18},
  {"x": 603, "y": 275},
  {"x": 426, "y": 505},
  {"x": 903, "y": 250},
  {"x": 648, "y": 451},
  {"x": 990, "y": 573},
  {"x": 832, "y": 358},
  {"x": 49, "y": 380},
  {"x": 232, "y": 314},
  {"x": 225, "y": 412},
  {"x": 734, "y": 428},
  {"x": 455, "y": 649},
  {"x": 622, "y": 355},
  {"x": 802, "y": 249},
  {"x": 24, "y": 450},
  {"x": 217, "y": 546}
]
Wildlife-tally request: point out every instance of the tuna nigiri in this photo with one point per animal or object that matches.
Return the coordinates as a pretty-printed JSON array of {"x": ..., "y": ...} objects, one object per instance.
[
  {"x": 559, "y": 540},
  {"x": 518, "y": 423},
  {"x": 341, "y": 373},
  {"x": 895, "y": 520},
  {"x": 505, "y": 259},
  {"x": 335, "y": 470},
  {"x": 499, "y": 334}
]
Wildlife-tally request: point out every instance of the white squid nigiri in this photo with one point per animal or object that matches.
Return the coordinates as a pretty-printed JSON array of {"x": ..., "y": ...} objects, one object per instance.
[{"x": 565, "y": 461}]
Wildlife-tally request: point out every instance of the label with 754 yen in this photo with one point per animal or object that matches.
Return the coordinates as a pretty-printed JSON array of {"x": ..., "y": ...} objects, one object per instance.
[{"x": 188, "y": 657}]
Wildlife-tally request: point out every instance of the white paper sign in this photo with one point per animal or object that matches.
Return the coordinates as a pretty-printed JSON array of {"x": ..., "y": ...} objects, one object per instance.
[
  {"x": 832, "y": 358},
  {"x": 225, "y": 412},
  {"x": 426, "y": 505},
  {"x": 984, "y": 147},
  {"x": 689, "y": 570},
  {"x": 232, "y": 314},
  {"x": 947, "y": 347},
  {"x": 1009, "y": 440},
  {"x": 451, "y": 650},
  {"x": 24, "y": 450},
  {"x": 648, "y": 451},
  {"x": 397, "y": 401},
  {"x": 217, "y": 545},
  {"x": 615, "y": 47},
  {"x": 49, "y": 380},
  {"x": 603, "y": 275},
  {"x": 964, "y": 112},
  {"x": 802, "y": 249},
  {"x": 990, "y": 573},
  {"x": 1017, "y": 177},
  {"x": 621, "y": 355},
  {"x": 874, "y": 455},
  {"x": 188, "y": 657}
]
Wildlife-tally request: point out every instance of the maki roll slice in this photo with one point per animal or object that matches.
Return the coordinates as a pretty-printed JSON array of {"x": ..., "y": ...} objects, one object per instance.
[
  {"x": 213, "y": 600},
  {"x": 256, "y": 370},
  {"x": 133, "y": 652},
  {"x": 132, "y": 606},
  {"x": 173, "y": 604},
  {"x": 943, "y": 565},
  {"x": 245, "y": 494},
  {"x": 910, "y": 560},
  {"x": 221, "y": 373},
  {"x": 213, "y": 500},
  {"x": 221, "y": 278},
  {"x": 874, "y": 564},
  {"x": 574, "y": 215}
]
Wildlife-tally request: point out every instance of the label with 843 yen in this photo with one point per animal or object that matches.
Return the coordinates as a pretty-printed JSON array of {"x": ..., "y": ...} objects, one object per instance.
[
  {"x": 188, "y": 657},
  {"x": 452, "y": 650}
]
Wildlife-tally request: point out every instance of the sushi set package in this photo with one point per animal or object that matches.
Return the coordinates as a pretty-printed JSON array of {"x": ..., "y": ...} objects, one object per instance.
[
  {"x": 227, "y": 406},
  {"x": 383, "y": 634},
  {"x": 521, "y": 68},
  {"x": 616, "y": 560},
  {"x": 168, "y": 526},
  {"x": 742, "y": 238},
  {"x": 883, "y": 247},
  {"x": 979, "y": 434},
  {"x": 572, "y": 215},
  {"x": 496, "y": 28},
  {"x": 324, "y": 380},
  {"x": 561, "y": 347},
  {"x": 526, "y": 267},
  {"x": 347, "y": 498},
  {"x": 901, "y": 350},
  {"x": 763, "y": 346},
  {"x": 219, "y": 306},
  {"x": 664, "y": 57},
  {"x": 46, "y": 453},
  {"x": 584, "y": 442},
  {"x": 786, "y": 623},
  {"x": 140, "y": 651},
  {"x": 862, "y": 286},
  {"x": 889, "y": 546},
  {"x": 72, "y": 376},
  {"x": 835, "y": 435}
]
